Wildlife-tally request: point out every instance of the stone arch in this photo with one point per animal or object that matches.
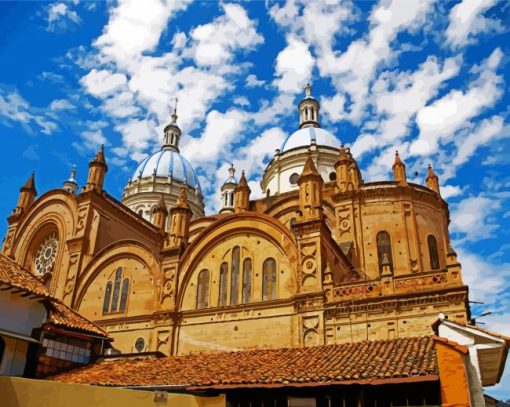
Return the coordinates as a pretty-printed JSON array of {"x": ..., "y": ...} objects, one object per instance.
[
  {"x": 119, "y": 251},
  {"x": 55, "y": 211},
  {"x": 228, "y": 227}
]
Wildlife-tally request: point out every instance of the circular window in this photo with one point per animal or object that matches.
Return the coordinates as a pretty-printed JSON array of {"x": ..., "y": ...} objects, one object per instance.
[
  {"x": 294, "y": 178},
  {"x": 46, "y": 254},
  {"x": 332, "y": 176},
  {"x": 140, "y": 344}
]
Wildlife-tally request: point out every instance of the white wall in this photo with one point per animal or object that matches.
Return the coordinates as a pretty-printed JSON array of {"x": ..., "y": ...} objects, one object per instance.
[{"x": 19, "y": 315}]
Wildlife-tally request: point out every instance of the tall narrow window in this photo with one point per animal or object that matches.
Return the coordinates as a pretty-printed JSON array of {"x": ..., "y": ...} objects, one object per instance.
[
  {"x": 434, "y": 257},
  {"x": 116, "y": 290},
  {"x": 269, "y": 279},
  {"x": 107, "y": 298},
  {"x": 384, "y": 248},
  {"x": 124, "y": 295},
  {"x": 223, "y": 285},
  {"x": 203, "y": 289},
  {"x": 247, "y": 280},
  {"x": 234, "y": 276}
]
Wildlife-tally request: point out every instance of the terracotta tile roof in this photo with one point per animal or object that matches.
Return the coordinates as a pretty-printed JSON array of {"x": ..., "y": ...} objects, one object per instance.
[
  {"x": 62, "y": 316},
  {"x": 404, "y": 359},
  {"x": 15, "y": 276}
]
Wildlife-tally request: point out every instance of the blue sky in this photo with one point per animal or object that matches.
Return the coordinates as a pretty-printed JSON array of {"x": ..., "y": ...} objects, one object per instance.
[{"x": 429, "y": 78}]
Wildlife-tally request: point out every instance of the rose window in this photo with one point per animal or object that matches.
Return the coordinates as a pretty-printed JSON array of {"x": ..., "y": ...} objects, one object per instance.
[{"x": 46, "y": 255}]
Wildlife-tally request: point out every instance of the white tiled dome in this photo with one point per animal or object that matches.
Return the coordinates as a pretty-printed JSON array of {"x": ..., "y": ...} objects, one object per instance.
[{"x": 305, "y": 136}]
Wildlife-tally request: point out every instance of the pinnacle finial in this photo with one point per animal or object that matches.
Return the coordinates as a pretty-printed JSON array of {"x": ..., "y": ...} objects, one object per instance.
[
  {"x": 231, "y": 170},
  {"x": 182, "y": 201},
  {"x": 174, "y": 114},
  {"x": 308, "y": 90}
]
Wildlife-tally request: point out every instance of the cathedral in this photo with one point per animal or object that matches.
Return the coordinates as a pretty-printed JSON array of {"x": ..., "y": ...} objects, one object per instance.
[{"x": 323, "y": 258}]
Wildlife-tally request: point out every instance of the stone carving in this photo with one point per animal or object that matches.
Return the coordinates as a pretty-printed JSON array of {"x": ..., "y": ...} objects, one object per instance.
[
  {"x": 82, "y": 214},
  {"x": 163, "y": 338},
  {"x": 308, "y": 262},
  {"x": 344, "y": 222},
  {"x": 168, "y": 283},
  {"x": 72, "y": 268},
  {"x": 310, "y": 328}
]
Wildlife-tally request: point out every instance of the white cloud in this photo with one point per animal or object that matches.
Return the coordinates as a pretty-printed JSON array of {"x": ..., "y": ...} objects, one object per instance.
[
  {"x": 450, "y": 191},
  {"x": 334, "y": 106},
  {"x": 466, "y": 20},
  {"x": 101, "y": 83},
  {"x": 293, "y": 66},
  {"x": 14, "y": 108},
  {"x": 353, "y": 71},
  {"x": 216, "y": 42},
  {"x": 135, "y": 27},
  {"x": 486, "y": 131},
  {"x": 470, "y": 213},
  {"x": 59, "y": 14},
  {"x": 221, "y": 131},
  {"x": 61, "y": 104},
  {"x": 253, "y": 82},
  {"x": 445, "y": 116},
  {"x": 241, "y": 101}
]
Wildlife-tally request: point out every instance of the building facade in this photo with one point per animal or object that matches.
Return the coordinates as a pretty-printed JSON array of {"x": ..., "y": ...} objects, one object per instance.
[{"x": 322, "y": 258}]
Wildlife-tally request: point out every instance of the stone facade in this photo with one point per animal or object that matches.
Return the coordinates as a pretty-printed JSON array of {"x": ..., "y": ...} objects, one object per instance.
[{"x": 332, "y": 261}]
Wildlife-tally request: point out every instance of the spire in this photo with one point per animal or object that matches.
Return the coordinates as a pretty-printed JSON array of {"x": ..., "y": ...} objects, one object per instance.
[
  {"x": 348, "y": 175},
  {"x": 27, "y": 195},
  {"x": 180, "y": 217},
  {"x": 172, "y": 132},
  {"x": 182, "y": 201},
  {"x": 309, "y": 109},
  {"x": 161, "y": 205},
  {"x": 160, "y": 214},
  {"x": 309, "y": 167},
  {"x": 71, "y": 185},
  {"x": 432, "y": 180},
  {"x": 310, "y": 191},
  {"x": 97, "y": 171},
  {"x": 242, "y": 195},
  {"x": 399, "y": 170},
  {"x": 29, "y": 185}
]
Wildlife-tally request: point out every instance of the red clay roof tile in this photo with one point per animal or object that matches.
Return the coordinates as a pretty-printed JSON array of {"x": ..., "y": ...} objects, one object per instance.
[
  {"x": 399, "y": 359},
  {"x": 15, "y": 276}
]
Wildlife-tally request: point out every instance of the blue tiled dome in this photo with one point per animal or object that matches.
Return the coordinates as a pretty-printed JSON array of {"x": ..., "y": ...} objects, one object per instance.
[{"x": 168, "y": 163}]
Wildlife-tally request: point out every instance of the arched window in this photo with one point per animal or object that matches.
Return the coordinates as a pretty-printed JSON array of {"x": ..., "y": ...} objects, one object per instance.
[
  {"x": 203, "y": 289},
  {"x": 231, "y": 194},
  {"x": 247, "y": 267},
  {"x": 107, "y": 298},
  {"x": 223, "y": 285},
  {"x": 140, "y": 212},
  {"x": 433, "y": 255},
  {"x": 234, "y": 277},
  {"x": 124, "y": 295},
  {"x": 116, "y": 289},
  {"x": 269, "y": 280},
  {"x": 384, "y": 248},
  {"x": 114, "y": 293}
]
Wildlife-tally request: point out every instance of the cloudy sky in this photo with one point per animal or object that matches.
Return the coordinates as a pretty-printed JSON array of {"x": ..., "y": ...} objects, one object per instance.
[{"x": 429, "y": 78}]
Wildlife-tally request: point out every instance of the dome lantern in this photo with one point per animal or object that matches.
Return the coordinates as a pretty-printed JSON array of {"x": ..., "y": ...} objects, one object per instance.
[
  {"x": 172, "y": 133},
  {"x": 308, "y": 110}
]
